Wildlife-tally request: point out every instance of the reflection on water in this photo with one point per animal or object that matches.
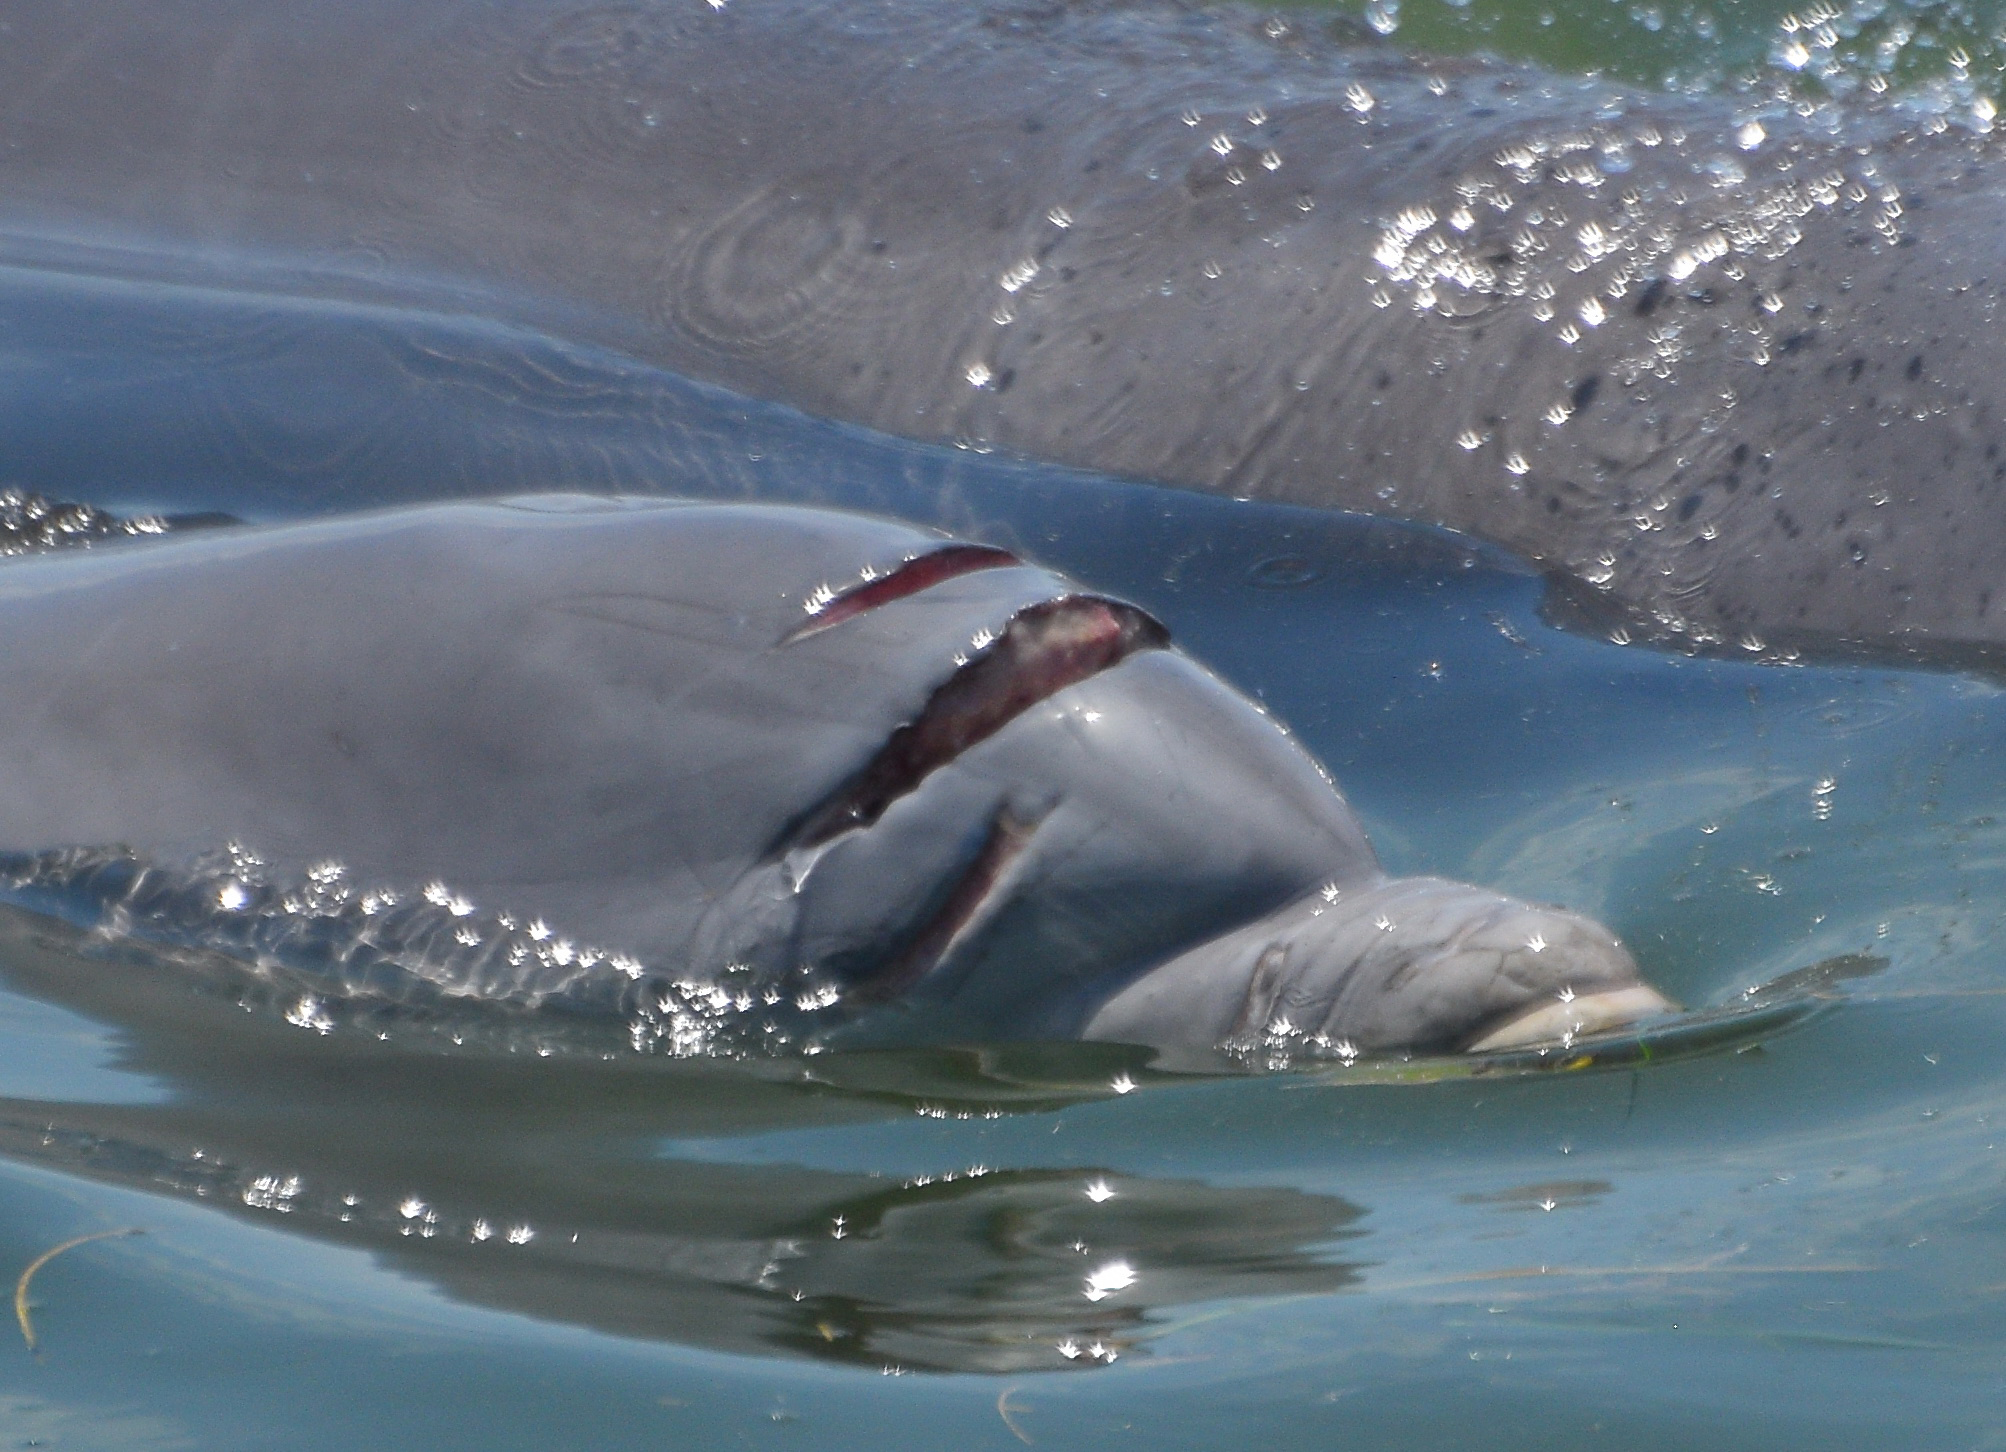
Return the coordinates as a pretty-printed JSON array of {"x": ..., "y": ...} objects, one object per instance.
[
  {"x": 976, "y": 1271},
  {"x": 1001, "y": 1271},
  {"x": 533, "y": 1185}
]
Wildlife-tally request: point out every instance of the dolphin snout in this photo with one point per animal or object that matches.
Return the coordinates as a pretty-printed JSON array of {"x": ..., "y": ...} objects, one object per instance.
[
  {"x": 1584, "y": 1013},
  {"x": 1391, "y": 963}
]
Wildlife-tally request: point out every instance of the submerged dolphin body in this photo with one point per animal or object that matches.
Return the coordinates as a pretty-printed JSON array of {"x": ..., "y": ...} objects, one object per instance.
[
  {"x": 1729, "y": 373},
  {"x": 862, "y": 782}
]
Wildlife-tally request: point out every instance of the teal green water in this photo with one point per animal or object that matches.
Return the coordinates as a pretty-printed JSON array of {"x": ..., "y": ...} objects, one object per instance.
[
  {"x": 1793, "y": 1243},
  {"x": 1940, "y": 55}
]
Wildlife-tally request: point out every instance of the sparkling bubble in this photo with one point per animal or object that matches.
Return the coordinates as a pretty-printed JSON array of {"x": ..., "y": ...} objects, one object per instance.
[{"x": 1105, "y": 1280}]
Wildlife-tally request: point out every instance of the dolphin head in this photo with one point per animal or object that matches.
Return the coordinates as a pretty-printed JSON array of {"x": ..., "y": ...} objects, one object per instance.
[{"x": 1393, "y": 963}]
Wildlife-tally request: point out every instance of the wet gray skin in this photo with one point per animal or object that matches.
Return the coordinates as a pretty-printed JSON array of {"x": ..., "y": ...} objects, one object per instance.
[
  {"x": 868, "y": 784},
  {"x": 1734, "y": 376}
]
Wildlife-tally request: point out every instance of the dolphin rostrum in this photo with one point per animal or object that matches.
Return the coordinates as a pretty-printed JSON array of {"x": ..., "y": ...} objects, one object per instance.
[
  {"x": 765, "y": 774},
  {"x": 1729, "y": 367}
]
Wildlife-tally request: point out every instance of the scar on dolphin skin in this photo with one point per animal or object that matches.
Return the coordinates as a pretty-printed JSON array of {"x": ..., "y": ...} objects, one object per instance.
[
  {"x": 1044, "y": 649},
  {"x": 973, "y": 893},
  {"x": 430, "y": 778},
  {"x": 922, "y": 572}
]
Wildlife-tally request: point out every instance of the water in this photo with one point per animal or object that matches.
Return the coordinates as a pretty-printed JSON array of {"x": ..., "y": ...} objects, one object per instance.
[
  {"x": 1937, "y": 51},
  {"x": 402, "y": 1242}
]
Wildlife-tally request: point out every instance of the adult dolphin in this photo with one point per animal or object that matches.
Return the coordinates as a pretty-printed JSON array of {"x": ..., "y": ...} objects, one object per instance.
[
  {"x": 727, "y": 771},
  {"x": 1734, "y": 375}
]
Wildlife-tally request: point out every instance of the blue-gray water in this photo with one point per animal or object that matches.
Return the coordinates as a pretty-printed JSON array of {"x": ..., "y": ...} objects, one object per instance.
[{"x": 362, "y": 1242}]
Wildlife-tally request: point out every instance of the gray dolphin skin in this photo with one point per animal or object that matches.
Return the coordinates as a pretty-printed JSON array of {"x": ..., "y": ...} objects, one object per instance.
[
  {"x": 863, "y": 783},
  {"x": 1733, "y": 374}
]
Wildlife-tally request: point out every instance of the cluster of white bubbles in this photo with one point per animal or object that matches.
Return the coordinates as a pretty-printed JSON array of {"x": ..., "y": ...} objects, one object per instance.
[{"x": 328, "y": 954}]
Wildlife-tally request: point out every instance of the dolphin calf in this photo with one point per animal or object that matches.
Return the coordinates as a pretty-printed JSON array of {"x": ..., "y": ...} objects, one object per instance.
[
  {"x": 1730, "y": 368},
  {"x": 741, "y": 774}
]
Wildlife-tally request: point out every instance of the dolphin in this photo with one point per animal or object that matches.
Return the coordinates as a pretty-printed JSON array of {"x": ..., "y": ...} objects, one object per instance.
[
  {"x": 1729, "y": 368},
  {"x": 743, "y": 775}
]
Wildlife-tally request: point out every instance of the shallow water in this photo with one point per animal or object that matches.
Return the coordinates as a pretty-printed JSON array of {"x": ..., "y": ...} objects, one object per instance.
[{"x": 510, "y": 1242}]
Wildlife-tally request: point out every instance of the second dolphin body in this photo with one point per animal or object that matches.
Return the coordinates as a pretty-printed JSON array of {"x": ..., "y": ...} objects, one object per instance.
[{"x": 1728, "y": 367}]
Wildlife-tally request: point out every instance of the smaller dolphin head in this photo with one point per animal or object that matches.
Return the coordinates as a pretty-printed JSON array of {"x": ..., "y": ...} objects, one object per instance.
[{"x": 1408, "y": 963}]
